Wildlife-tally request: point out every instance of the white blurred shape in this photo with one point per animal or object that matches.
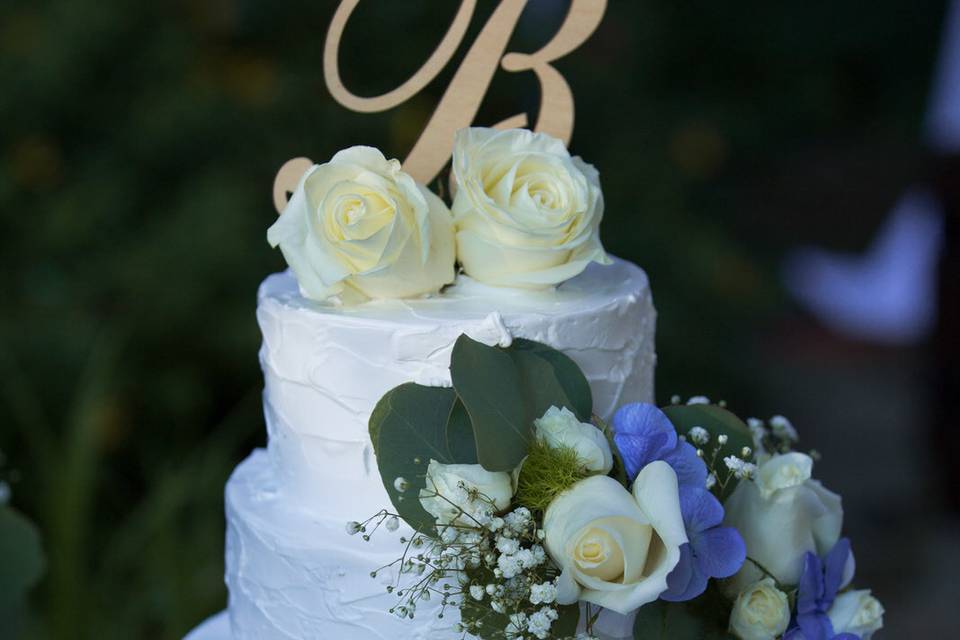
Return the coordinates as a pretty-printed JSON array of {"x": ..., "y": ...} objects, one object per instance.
[
  {"x": 889, "y": 294},
  {"x": 943, "y": 116},
  {"x": 885, "y": 295}
]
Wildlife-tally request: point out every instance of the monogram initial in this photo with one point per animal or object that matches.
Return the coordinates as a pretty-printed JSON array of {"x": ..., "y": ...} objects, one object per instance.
[{"x": 459, "y": 105}]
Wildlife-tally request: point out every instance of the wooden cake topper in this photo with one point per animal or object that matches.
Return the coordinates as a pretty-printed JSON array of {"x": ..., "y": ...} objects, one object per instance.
[{"x": 461, "y": 101}]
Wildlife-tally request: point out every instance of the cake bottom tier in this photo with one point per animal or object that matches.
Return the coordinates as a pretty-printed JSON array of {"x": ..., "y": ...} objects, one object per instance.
[{"x": 293, "y": 573}]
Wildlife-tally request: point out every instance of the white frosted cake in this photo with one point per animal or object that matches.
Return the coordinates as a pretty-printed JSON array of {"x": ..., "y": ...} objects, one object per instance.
[
  {"x": 292, "y": 571},
  {"x": 471, "y": 389}
]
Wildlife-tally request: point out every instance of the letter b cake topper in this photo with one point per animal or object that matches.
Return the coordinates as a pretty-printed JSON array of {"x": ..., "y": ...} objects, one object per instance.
[{"x": 461, "y": 100}]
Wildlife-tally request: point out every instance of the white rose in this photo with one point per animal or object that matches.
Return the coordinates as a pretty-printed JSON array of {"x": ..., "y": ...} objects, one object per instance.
[
  {"x": 358, "y": 227},
  {"x": 782, "y": 515},
  {"x": 455, "y": 489},
  {"x": 527, "y": 214},
  {"x": 616, "y": 549},
  {"x": 856, "y": 612},
  {"x": 761, "y": 612},
  {"x": 560, "y": 428}
]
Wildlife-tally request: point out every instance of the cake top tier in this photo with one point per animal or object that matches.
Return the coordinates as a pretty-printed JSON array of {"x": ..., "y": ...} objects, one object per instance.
[
  {"x": 603, "y": 319},
  {"x": 598, "y": 287}
]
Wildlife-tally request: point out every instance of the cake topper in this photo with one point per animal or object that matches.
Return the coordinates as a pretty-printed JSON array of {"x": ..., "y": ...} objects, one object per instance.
[{"x": 461, "y": 101}]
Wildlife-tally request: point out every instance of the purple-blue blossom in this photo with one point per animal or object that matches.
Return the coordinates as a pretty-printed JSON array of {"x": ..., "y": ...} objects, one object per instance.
[
  {"x": 819, "y": 585},
  {"x": 643, "y": 434},
  {"x": 713, "y": 551}
]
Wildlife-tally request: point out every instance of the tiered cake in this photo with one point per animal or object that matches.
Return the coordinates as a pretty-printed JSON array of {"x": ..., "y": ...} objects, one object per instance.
[
  {"x": 470, "y": 388},
  {"x": 291, "y": 569}
]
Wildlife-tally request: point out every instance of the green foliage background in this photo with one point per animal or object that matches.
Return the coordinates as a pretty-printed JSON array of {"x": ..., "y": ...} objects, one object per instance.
[{"x": 137, "y": 152}]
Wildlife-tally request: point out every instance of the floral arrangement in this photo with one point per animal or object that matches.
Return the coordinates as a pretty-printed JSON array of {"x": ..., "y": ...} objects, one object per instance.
[
  {"x": 526, "y": 214},
  {"x": 533, "y": 518}
]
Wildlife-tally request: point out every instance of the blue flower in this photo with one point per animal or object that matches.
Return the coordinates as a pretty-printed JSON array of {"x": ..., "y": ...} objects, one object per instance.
[
  {"x": 796, "y": 634},
  {"x": 644, "y": 434},
  {"x": 713, "y": 551},
  {"x": 819, "y": 584}
]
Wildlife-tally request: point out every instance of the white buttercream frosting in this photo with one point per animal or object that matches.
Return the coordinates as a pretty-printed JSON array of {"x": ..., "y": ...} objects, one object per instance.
[
  {"x": 292, "y": 570},
  {"x": 295, "y": 574}
]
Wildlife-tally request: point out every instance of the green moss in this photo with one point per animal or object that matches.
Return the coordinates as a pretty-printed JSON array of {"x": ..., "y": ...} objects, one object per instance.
[{"x": 546, "y": 473}]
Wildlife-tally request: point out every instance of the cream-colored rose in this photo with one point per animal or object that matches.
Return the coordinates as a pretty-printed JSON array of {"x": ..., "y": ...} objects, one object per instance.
[
  {"x": 761, "y": 612},
  {"x": 527, "y": 214},
  {"x": 782, "y": 515},
  {"x": 459, "y": 492},
  {"x": 856, "y": 612},
  {"x": 560, "y": 428},
  {"x": 616, "y": 549},
  {"x": 358, "y": 227}
]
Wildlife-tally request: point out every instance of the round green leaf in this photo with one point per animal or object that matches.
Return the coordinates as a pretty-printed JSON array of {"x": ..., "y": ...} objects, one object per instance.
[
  {"x": 21, "y": 559},
  {"x": 716, "y": 420},
  {"x": 488, "y": 383},
  {"x": 567, "y": 383},
  {"x": 409, "y": 428}
]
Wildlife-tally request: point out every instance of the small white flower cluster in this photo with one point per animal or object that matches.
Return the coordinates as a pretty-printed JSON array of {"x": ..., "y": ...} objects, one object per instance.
[
  {"x": 485, "y": 564},
  {"x": 537, "y": 623},
  {"x": 699, "y": 436},
  {"x": 720, "y": 470},
  {"x": 740, "y": 468},
  {"x": 519, "y": 579},
  {"x": 776, "y": 435}
]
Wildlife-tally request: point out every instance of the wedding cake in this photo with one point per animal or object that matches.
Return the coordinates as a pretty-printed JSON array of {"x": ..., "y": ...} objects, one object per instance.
[{"x": 470, "y": 388}]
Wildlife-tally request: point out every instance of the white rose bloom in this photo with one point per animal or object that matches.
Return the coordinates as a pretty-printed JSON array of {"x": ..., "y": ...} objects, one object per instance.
[
  {"x": 560, "y": 428},
  {"x": 451, "y": 488},
  {"x": 782, "y": 515},
  {"x": 527, "y": 214},
  {"x": 761, "y": 612},
  {"x": 616, "y": 549},
  {"x": 856, "y": 612},
  {"x": 358, "y": 227}
]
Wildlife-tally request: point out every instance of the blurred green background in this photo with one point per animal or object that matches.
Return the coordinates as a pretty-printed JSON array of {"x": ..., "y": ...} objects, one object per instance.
[{"x": 137, "y": 153}]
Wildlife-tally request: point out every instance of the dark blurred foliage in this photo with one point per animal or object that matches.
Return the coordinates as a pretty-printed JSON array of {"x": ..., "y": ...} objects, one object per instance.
[{"x": 137, "y": 153}]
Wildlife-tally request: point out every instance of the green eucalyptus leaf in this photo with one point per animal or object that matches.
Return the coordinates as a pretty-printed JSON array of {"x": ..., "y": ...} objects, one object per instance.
[
  {"x": 539, "y": 386},
  {"x": 22, "y": 563},
  {"x": 460, "y": 440},
  {"x": 488, "y": 383},
  {"x": 704, "y": 618},
  {"x": 566, "y": 374},
  {"x": 565, "y": 626},
  {"x": 716, "y": 420},
  {"x": 661, "y": 620},
  {"x": 409, "y": 428}
]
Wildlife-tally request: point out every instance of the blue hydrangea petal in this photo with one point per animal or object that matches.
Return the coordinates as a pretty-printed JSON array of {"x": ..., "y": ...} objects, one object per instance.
[
  {"x": 720, "y": 552},
  {"x": 700, "y": 509},
  {"x": 686, "y": 581},
  {"x": 815, "y": 626},
  {"x": 835, "y": 563},
  {"x": 642, "y": 434},
  {"x": 810, "y": 589},
  {"x": 691, "y": 470}
]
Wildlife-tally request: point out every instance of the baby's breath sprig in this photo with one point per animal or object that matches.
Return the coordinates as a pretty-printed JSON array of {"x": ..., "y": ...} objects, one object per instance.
[
  {"x": 720, "y": 472},
  {"x": 773, "y": 436},
  {"x": 493, "y": 568}
]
